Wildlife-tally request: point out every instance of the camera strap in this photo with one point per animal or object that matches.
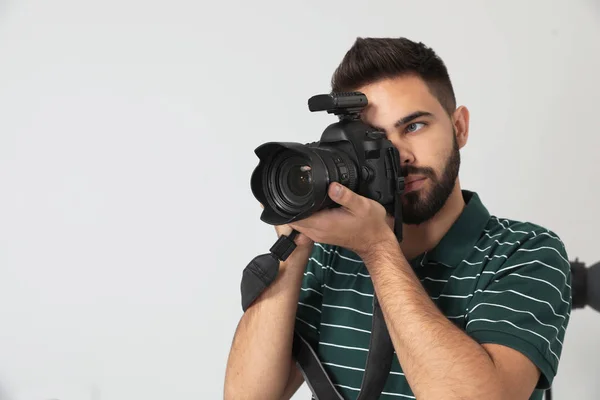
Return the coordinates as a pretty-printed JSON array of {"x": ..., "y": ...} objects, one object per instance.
[
  {"x": 263, "y": 269},
  {"x": 261, "y": 272},
  {"x": 399, "y": 183}
]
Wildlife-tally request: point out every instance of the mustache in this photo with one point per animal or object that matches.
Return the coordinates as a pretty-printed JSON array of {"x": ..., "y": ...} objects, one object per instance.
[{"x": 412, "y": 170}]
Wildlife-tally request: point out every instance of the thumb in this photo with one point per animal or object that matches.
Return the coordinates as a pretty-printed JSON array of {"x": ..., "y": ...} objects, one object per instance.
[{"x": 344, "y": 196}]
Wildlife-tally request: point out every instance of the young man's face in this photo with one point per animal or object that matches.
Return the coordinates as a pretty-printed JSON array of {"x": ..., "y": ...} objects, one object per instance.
[{"x": 415, "y": 122}]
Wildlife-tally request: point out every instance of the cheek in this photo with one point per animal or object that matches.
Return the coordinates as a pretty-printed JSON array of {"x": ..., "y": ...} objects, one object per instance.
[{"x": 429, "y": 151}]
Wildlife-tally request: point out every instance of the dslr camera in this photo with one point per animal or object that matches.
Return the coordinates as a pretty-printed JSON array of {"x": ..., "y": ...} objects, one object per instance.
[{"x": 291, "y": 179}]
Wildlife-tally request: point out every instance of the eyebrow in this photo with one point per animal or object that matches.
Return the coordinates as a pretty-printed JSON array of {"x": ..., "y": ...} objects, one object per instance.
[
  {"x": 408, "y": 118},
  {"x": 412, "y": 116}
]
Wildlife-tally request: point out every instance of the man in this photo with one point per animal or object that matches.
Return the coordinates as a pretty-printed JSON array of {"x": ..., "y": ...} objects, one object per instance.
[{"x": 476, "y": 305}]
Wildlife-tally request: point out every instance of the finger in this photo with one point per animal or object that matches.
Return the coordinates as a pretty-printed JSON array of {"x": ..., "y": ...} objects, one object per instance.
[
  {"x": 299, "y": 228},
  {"x": 302, "y": 224},
  {"x": 313, "y": 221},
  {"x": 345, "y": 197},
  {"x": 283, "y": 230}
]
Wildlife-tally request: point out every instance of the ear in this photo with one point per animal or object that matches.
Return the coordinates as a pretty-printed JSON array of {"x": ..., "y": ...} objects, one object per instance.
[{"x": 460, "y": 120}]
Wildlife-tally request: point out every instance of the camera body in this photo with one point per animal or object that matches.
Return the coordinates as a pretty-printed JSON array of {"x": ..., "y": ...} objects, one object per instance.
[{"x": 291, "y": 179}]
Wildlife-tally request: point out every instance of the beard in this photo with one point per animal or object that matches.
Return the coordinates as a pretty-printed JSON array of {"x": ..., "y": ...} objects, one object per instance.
[{"x": 419, "y": 206}]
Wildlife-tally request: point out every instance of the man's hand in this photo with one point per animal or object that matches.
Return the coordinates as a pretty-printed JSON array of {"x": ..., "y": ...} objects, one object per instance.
[{"x": 358, "y": 225}]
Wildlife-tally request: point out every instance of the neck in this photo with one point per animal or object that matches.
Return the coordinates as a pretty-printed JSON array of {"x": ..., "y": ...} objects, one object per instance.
[{"x": 424, "y": 237}]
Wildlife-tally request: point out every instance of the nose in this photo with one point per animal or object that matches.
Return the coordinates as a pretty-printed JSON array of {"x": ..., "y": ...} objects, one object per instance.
[{"x": 407, "y": 156}]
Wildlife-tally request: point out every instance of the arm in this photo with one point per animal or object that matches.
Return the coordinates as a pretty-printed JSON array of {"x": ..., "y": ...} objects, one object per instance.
[
  {"x": 506, "y": 352},
  {"x": 295, "y": 380},
  {"x": 262, "y": 344},
  {"x": 440, "y": 360}
]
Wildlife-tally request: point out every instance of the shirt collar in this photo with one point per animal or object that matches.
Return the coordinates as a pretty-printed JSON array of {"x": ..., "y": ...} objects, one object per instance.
[{"x": 462, "y": 236}]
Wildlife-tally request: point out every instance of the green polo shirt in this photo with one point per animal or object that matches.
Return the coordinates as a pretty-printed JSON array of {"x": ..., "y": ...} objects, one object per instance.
[{"x": 499, "y": 280}]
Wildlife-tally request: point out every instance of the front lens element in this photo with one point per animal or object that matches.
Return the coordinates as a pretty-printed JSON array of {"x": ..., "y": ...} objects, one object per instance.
[
  {"x": 299, "y": 180},
  {"x": 291, "y": 182}
]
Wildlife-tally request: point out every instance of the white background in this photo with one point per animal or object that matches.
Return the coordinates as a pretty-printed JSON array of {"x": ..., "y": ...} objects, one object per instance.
[{"x": 127, "y": 131}]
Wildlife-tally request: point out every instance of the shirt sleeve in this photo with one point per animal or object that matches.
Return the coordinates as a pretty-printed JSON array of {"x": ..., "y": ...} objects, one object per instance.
[
  {"x": 308, "y": 314},
  {"x": 525, "y": 304}
]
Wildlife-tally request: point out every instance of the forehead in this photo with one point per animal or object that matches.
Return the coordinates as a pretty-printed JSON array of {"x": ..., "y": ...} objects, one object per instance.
[{"x": 391, "y": 99}]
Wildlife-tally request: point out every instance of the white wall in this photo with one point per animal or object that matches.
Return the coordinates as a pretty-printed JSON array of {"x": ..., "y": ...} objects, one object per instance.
[{"x": 127, "y": 131}]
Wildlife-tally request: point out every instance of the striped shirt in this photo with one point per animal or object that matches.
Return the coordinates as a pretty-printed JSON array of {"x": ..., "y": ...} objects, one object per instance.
[{"x": 499, "y": 280}]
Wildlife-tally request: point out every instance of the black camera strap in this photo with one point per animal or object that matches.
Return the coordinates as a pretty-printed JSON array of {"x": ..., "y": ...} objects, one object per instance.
[
  {"x": 263, "y": 269},
  {"x": 399, "y": 181},
  {"x": 379, "y": 357}
]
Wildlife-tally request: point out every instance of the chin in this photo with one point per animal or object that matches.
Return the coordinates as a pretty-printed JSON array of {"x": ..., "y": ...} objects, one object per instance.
[{"x": 414, "y": 196}]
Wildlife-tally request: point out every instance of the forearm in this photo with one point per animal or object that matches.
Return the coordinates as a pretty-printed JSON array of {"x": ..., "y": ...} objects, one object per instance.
[
  {"x": 259, "y": 362},
  {"x": 438, "y": 359}
]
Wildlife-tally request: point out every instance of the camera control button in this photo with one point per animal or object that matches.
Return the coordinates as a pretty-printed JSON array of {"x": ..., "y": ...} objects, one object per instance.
[{"x": 365, "y": 173}]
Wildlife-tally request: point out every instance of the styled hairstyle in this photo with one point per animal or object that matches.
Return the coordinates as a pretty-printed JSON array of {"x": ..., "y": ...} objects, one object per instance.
[{"x": 372, "y": 59}]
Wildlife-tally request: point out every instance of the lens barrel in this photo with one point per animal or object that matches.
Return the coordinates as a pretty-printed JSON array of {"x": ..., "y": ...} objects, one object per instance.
[
  {"x": 290, "y": 182},
  {"x": 292, "y": 179}
]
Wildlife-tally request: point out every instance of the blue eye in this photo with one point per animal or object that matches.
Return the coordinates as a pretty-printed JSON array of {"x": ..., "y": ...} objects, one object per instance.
[{"x": 415, "y": 126}]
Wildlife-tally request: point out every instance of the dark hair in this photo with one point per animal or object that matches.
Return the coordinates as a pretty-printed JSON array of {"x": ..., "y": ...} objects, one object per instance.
[{"x": 372, "y": 59}]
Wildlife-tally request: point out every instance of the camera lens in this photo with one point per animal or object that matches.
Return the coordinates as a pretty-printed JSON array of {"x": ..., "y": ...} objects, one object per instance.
[
  {"x": 299, "y": 180},
  {"x": 291, "y": 181}
]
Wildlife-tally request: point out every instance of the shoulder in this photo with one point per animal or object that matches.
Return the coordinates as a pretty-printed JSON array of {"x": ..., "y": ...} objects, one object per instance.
[
  {"x": 525, "y": 250},
  {"x": 523, "y": 295},
  {"x": 516, "y": 238}
]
